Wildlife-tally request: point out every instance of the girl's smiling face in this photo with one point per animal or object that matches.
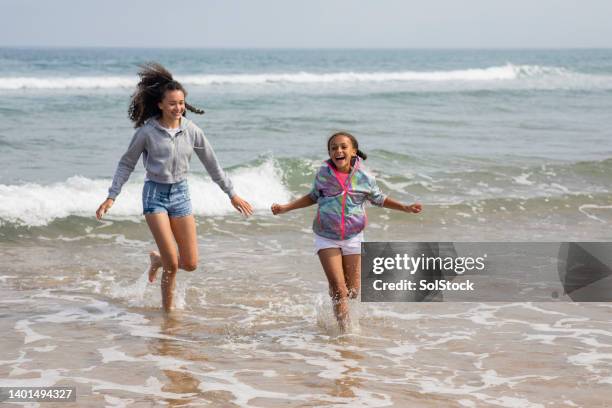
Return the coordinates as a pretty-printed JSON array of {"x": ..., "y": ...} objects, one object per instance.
[
  {"x": 341, "y": 151},
  {"x": 172, "y": 106}
]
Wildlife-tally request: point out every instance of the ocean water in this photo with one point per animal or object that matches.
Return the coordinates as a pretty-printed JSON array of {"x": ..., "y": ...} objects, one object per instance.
[{"x": 498, "y": 145}]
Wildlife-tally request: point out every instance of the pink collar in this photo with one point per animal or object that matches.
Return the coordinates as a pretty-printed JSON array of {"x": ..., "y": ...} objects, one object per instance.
[{"x": 338, "y": 177}]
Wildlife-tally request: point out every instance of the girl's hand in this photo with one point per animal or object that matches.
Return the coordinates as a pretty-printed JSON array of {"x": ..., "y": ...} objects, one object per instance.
[
  {"x": 414, "y": 208},
  {"x": 278, "y": 209},
  {"x": 242, "y": 206},
  {"x": 104, "y": 207}
]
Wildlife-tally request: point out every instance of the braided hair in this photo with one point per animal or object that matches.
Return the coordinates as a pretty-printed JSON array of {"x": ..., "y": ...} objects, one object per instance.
[
  {"x": 353, "y": 140},
  {"x": 155, "y": 81}
]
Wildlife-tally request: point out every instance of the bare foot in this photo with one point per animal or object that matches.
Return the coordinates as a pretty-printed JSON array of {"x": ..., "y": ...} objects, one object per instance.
[
  {"x": 156, "y": 263},
  {"x": 344, "y": 324}
]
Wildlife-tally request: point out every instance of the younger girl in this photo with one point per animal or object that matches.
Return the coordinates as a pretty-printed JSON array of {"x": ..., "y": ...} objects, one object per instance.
[
  {"x": 341, "y": 187},
  {"x": 166, "y": 139}
]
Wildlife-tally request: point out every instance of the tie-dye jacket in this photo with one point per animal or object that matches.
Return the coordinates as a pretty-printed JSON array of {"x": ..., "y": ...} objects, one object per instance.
[{"x": 341, "y": 214}]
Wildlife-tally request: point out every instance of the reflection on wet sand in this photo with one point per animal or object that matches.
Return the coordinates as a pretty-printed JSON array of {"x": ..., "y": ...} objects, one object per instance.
[{"x": 181, "y": 381}]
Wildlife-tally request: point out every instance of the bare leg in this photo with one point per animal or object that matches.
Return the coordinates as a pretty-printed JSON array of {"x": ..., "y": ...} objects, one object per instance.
[
  {"x": 184, "y": 230},
  {"x": 156, "y": 263},
  {"x": 352, "y": 274},
  {"x": 159, "y": 224},
  {"x": 168, "y": 232},
  {"x": 168, "y": 282},
  {"x": 331, "y": 260}
]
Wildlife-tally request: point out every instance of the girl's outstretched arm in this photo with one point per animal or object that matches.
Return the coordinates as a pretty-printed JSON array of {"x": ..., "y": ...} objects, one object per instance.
[
  {"x": 301, "y": 202},
  {"x": 396, "y": 205},
  {"x": 104, "y": 207},
  {"x": 242, "y": 206}
]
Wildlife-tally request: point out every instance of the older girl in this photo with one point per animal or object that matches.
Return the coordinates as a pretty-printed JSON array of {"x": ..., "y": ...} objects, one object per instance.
[
  {"x": 341, "y": 187},
  {"x": 166, "y": 140}
]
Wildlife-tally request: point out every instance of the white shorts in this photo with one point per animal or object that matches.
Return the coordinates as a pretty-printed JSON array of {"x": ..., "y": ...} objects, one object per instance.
[{"x": 347, "y": 246}]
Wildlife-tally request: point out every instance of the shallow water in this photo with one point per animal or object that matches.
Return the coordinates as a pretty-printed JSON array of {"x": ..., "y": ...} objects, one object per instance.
[
  {"x": 254, "y": 327},
  {"x": 508, "y": 145}
]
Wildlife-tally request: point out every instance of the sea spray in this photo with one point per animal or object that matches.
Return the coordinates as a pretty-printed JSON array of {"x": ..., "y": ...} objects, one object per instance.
[
  {"x": 326, "y": 319},
  {"x": 137, "y": 294}
]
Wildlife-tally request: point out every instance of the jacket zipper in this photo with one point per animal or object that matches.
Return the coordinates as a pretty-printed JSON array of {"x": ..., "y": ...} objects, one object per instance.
[
  {"x": 174, "y": 153},
  {"x": 344, "y": 194},
  {"x": 342, "y": 228}
]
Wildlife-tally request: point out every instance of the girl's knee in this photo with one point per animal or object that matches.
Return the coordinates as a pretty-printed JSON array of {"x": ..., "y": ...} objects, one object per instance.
[
  {"x": 338, "y": 293},
  {"x": 188, "y": 264},
  {"x": 171, "y": 268}
]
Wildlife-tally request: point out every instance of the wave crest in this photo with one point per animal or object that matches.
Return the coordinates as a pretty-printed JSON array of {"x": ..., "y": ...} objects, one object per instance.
[
  {"x": 495, "y": 73},
  {"x": 37, "y": 205}
]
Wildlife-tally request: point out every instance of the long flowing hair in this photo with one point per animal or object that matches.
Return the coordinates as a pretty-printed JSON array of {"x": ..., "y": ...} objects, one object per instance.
[{"x": 155, "y": 81}]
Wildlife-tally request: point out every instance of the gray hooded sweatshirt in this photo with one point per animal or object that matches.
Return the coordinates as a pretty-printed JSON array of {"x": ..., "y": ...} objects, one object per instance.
[{"x": 166, "y": 158}]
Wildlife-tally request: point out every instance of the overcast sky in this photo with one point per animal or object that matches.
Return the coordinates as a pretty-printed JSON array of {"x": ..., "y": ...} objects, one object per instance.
[{"x": 307, "y": 23}]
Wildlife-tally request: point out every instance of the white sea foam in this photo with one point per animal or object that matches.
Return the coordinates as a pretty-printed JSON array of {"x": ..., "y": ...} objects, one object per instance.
[
  {"x": 84, "y": 82},
  {"x": 523, "y": 179},
  {"x": 34, "y": 204},
  {"x": 30, "y": 335},
  {"x": 111, "y": 354},
  {"x": 46, "y": 349},
  {"x": 114, "y": 402},
  {"x": 44, "y": 378},
  {"x": 508, "y": 71},
  {"x": 494, "y": 73},
  {"x": 591, "y": 359},
  {"x": 152, "y": 386},
  {"x": 585, "y": 207}
]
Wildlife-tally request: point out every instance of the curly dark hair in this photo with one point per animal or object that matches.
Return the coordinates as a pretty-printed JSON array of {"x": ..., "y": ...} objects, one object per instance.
[
  {"x": 354, "y": 142},
  {"x": 155, "y": 80}
]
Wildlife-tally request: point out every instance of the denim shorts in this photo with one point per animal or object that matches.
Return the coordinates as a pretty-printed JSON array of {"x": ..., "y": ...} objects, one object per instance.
[{"x": 169, "y": 198}]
